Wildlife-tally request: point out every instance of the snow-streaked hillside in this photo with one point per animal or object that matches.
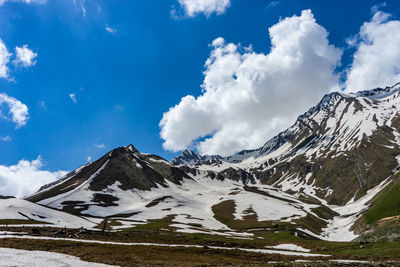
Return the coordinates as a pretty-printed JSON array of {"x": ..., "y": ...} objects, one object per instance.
[
  {"x": 193, "y": 206},
  {"x": 12, "y": 209},
  {"x": 349, "y": 136},
  {"x": 314, "y": 179}
]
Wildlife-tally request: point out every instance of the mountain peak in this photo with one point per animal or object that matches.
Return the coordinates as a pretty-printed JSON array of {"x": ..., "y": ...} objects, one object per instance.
[
  {"x": 132, "y": 148},
  {"x": 187, "y": 157}
]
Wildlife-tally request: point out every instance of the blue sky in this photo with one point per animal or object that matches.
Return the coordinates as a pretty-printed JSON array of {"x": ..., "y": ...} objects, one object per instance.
[{"x": 104, "y": 72}]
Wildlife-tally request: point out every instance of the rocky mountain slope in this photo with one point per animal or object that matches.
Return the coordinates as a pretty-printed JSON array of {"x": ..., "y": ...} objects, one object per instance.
[
  {"x": 336, "y": 151},
  {"x": 343, "y": 151}
]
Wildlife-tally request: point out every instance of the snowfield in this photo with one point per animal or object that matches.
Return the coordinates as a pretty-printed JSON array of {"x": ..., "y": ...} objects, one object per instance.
[
  {"x": 21, "y": 258},
  {"x": 19, "y": 209},
  {"x": 191, "y": 203}
]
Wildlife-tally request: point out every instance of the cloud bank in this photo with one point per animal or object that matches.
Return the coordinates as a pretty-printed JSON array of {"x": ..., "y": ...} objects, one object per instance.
[
  {"x": 207, "y": 7},
  {"x": 25, "y": 177},
  {"x": 247, "y": 96},
  {"x": 376, "y": 61}
]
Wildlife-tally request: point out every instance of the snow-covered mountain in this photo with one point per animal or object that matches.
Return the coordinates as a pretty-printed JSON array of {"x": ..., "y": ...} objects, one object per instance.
[
  {"x": 337, "y": 150},
  {"x": 343, "y": 151}
]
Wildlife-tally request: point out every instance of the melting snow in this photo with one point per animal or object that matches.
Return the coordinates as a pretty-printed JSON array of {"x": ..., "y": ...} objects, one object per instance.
[
  {"x": 35, "y": 258},
  {"x": 291, "y": 247}
]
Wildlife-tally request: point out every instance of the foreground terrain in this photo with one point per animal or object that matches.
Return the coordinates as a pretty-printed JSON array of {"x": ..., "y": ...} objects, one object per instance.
[{"x": 151, "y": 246}]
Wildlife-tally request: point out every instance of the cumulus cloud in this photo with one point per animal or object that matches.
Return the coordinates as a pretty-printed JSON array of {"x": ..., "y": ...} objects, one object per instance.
[
  {"x": 24, "y": 56},
  {"x": 247, "y": 96},
  {"x": 25, "y": 177},
  {"x": 207, "y": 7},
  {"x": 376, "y": 61},
  {"x": 16, "y": 110},
  {"x": 4, "y": 59}
]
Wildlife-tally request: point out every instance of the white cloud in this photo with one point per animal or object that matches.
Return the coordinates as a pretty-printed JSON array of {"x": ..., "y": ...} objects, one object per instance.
[
  {"x": 24, "y": 1},
  {"x": 101, "y": 146},
  {"x": 81, "y": 4},
  {"x": 376, "y": 61},
  {"x": 4, "y": 59},
  {"x": 26, "y": 177},
  {"x": 207, "y": 7},
  {"x": 17, "y": 111},
  {"x": 247, "y": 96},
  {"x": 25, "y": 56},
  {"x": 5, "y": 138},
  {"x": 89, "y": 158},
  {"x": 110, "y": 30},
  {"x": 73, "y": 97}
]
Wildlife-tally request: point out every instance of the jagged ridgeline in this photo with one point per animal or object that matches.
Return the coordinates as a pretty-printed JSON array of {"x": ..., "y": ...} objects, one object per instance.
[
  {"x": 343, "y": 151},
  {"x": 342, "y": 147}
]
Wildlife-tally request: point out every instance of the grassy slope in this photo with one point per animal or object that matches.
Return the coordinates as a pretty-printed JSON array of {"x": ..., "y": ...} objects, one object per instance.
[{"x": 386, "y": 204}]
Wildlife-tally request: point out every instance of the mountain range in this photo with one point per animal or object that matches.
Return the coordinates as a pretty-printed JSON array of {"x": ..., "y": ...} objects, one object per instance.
[{"x": 332, "y": 175}]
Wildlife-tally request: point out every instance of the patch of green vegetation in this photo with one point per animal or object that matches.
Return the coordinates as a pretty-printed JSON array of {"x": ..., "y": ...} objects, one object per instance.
[
  {"x": 383, "y": 231},
  {"x": 386, "y": 204},
  {"x": 378, "y": 250},
  {"x": 15, "y": 221},
  {"x": 280, "y": 237}
]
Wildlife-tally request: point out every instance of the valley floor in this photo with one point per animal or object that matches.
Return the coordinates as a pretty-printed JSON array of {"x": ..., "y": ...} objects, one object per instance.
[{"x": 151, "y": 247}]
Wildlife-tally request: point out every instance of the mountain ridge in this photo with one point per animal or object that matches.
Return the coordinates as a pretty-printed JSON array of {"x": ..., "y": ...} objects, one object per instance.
[
  {"x": 327, "y": 130},
  {"x": 339, "y": 154}
]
